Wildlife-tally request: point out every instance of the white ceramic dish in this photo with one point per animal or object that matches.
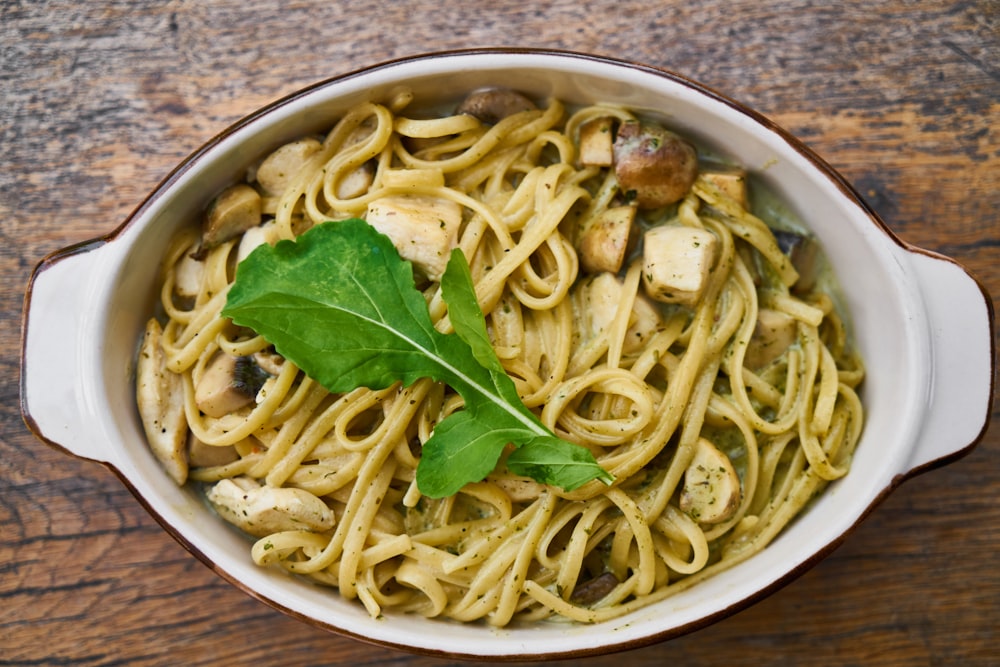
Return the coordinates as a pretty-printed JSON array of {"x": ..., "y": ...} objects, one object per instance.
[{"x": 924, "y": 327}]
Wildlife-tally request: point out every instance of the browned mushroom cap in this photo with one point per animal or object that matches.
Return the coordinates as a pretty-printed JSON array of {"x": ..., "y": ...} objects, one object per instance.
[
  {"x": 604, "y": 243},
  {"x": 492, "y": 105},
  {"x": 653, "y": 165}
]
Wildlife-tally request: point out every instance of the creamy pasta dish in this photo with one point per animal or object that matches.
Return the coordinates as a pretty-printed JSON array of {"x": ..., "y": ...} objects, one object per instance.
[{"x": 673, "y": 377}]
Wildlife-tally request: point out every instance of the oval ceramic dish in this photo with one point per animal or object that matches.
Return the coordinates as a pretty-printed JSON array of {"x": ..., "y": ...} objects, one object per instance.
[{"x": 923, "y": 326}]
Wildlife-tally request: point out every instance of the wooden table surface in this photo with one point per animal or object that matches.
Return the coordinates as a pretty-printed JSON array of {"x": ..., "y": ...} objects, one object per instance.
[{"x": 99, "y": 100}]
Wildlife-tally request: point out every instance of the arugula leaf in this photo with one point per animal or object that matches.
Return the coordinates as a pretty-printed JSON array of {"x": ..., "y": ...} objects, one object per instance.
[{"x": 341, "y": 304}]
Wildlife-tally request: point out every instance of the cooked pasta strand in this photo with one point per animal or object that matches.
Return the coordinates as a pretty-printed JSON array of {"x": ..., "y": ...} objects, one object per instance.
[{"x": 508, "y": 549}]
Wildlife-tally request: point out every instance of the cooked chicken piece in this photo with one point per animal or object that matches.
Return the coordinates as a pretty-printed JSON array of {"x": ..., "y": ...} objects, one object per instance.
[
  {"x": 605, "y": 241},
  {"x": 160, "y": 397},
  {"x": 653, "y": 165},
  {"x": 598, "y": 300},
  {"x": 774, "y": 333},
  {"x": 228, "y": 384},
  {"x": 597, "y": 138},
  {"x": 711, "y": 491},
  {"x": 732, "y": 182},
  {"x": 357, "y": 182},
  {"x": 256, "y": 236},
  {"x": 235, "y": 210},
  {"x": 645, "y": 321},
  {"x": 424, "y": 229},
  {"x": 278, "y": 169},
  {"x": 188, "y": 275},
  {"x": 263, "y": 510},
  {"x": 492, "y": 105},
  {"x": 676, "y": 263}
]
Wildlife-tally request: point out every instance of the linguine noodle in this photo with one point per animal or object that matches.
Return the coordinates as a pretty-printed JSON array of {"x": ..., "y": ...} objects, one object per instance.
[{"x": 507, "y": 548}]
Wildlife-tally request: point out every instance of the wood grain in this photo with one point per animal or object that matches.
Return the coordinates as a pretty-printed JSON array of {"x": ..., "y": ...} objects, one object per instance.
[{"x": 99, "y": 100}]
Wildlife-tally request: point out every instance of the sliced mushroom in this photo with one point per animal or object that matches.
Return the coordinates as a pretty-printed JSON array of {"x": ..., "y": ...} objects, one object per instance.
[
  {"x": 596, "y": 142},
  {"x": 491, "y": 105},
  {"x": 594, "y": 590},
  {"x": 278, "y": 169},
  {"x": 677, "y": 261},
  {"x": 235, "y": 210},
  {"x": 803, "y": 251},
  {"x": 711, "y": 491},
  {"x": 732, "y": 182},
  {"x": 424, "y": 229},
  {"x": 263, "y": 510},
  {"x": 774, "y": 333},
  {"x": 751, "y": 260},
  {"x": 160, "y": 397},
  {"x": 653, "y": 165},
  {"x": 202, "y": 455},
  {"x": 228, "y": 384},
  {"x": 605, "y": 241}
]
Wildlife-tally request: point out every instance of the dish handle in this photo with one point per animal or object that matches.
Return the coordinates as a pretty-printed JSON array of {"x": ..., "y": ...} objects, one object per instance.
[
  {"x": 57, "y": 354},
  {"x": 960, "y": 319}
]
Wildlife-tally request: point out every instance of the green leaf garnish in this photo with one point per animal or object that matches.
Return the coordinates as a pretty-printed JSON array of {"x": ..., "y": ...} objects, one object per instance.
[{"x": 341, "y": 304}]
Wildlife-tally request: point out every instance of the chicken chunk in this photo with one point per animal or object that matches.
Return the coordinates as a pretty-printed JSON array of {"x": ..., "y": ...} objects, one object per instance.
[
  {"x": 596, "y": 142},
  {"x": 774, "y": 333},
  {"x": 356, "y": 182},
  {"x": 278, "y": 169},
  {"x": 598, "y": 300},
  {"x": 676, "y": 263},
  {"x": 256, "y": 236},
  {"x": 424, "y": 229},
  {"x": 188, "y": 275},
  {"x": 263, "y": 510},
  {"x": 732, "y": 183},
  {"x": 160, "y": 397}
]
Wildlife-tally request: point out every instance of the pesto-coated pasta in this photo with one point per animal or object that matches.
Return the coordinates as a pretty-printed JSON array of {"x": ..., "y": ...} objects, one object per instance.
[{"x": 690, "y": 346}]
